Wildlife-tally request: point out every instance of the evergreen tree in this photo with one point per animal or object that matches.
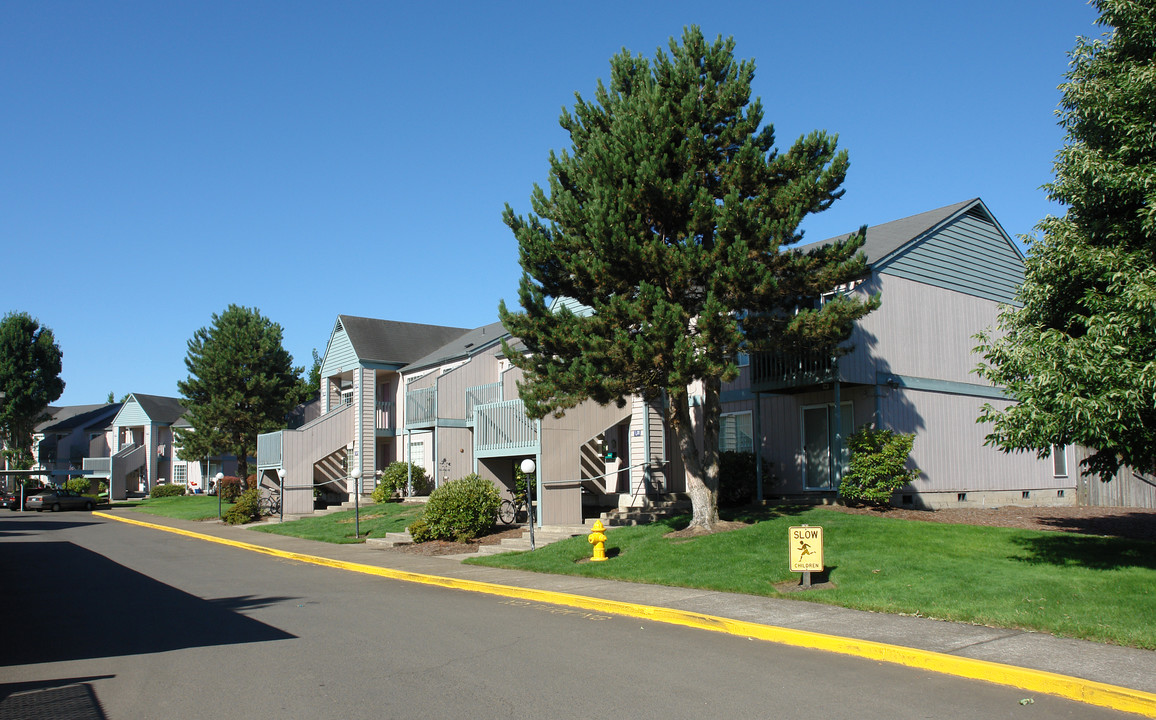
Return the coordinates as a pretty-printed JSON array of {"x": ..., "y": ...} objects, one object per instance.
[
  {"x": 313, "y": 379},
  {"x": 668, "y": 218},
  {"x": 30, "y": 365},
  {"x": 1079, "y": 352},
  {"x": 241, "y": 383}
]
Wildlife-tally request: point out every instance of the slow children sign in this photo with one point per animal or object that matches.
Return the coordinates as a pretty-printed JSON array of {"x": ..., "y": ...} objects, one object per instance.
[{"x": 805, "y": 548}]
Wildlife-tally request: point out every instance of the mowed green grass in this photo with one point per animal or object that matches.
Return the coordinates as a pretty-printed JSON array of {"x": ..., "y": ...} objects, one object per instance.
[
  {"x": 1096, "y": 588},
  {"x": 186, "y": 507},
  {"x": 376, "y": 521}
]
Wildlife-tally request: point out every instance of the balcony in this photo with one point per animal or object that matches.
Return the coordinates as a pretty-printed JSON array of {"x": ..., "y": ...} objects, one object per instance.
[
  {"x": 421, "y": 407},
  {"x": 772, "y": 372},
  {"x": 481, "y": 395},
  {"x": 502, "y": 428},
  {"x": 384, "y": 415}
]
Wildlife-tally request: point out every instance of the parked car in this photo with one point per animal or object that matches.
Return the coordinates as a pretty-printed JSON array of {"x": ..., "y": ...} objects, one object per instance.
[
  {"x": 56, "y": 500},
  {"x": 11, "y": 498}
]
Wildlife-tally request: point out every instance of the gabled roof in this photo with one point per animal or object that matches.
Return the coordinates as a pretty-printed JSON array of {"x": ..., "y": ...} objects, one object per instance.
[
  {"x": 160, "y": 409},
  {"x": 66, "y": 419},
  {"x": 393, "y": 342},
  {"x": 461, "y": 347},
  {"x": 961, "y": 247}
]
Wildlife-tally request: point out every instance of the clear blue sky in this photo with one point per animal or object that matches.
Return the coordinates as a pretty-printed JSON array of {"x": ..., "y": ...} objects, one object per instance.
[{"x": 159, "y": 161}]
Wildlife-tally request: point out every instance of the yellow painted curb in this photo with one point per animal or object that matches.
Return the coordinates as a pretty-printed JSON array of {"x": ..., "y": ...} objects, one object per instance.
[{"x": 1071, "y": 688}]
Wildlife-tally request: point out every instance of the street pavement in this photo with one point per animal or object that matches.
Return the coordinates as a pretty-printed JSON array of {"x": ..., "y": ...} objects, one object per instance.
[{"x": 1077, "y": 659}]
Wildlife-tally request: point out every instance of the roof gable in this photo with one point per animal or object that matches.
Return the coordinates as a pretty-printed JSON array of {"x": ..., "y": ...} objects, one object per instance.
[
  {"x": 959, "y": 247},
  {"x": 140, "y": 409},
  {"x": 461, "y": 347},
  {"x": 360, "y": 340}
]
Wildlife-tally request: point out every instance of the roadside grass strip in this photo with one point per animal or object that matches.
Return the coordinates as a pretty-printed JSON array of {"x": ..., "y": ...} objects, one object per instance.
[{"x": 1071, "y": 688}]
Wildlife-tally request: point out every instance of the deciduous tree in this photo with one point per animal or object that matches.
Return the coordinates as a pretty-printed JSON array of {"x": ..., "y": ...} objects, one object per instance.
[
  {"x": 241, "y": 382},
  {"x": 30, "y": 365},
  {"x": 669, "y": 218},
  {"x": 1078, "y": 353}
]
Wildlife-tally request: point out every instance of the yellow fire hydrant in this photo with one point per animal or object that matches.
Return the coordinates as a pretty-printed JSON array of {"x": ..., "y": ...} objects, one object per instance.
[{"x": 598, "y": 540}]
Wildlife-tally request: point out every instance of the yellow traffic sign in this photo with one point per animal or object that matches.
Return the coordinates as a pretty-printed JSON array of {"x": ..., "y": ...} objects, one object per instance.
[{"x": 805, "y": 548}]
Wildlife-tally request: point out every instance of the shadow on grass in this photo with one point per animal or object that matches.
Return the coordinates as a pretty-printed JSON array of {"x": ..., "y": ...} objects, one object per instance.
[
  {"x": 749, "y": 514},
  {"x": 1138, "y": 525},
  {"x": 1097, "y": 553}
]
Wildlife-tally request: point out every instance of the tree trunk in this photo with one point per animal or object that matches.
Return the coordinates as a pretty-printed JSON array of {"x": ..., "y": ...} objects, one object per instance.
[{"x": 701, "y": 465}]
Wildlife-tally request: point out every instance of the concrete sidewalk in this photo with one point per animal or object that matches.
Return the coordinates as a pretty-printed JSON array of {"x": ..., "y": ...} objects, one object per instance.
[{"x": 1108, "y": 664}]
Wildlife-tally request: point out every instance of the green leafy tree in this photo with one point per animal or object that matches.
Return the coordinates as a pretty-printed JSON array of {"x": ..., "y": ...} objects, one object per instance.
[
  {"x": 30, "y": 365},
  {"x": 668, "y": 218},
  {"x": 1079, "y": 352},
  {"x": 241, "y": 383},
  {"x": 313, "y": 379}
]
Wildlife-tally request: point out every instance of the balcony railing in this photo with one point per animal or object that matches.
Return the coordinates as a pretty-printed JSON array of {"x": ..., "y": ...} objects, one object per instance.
[
  {"x": 481, "y": 395},
  {"x": 503, "y": 426},
  {"x": 385, "y": 415},
  {"x": 772, "y": 371},
  {"x": 269, "y": 449},
  {"x": 421, "y": 406}
]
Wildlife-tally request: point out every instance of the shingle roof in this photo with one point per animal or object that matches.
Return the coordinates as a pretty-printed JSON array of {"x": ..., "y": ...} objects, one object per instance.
[
  {"x": 68, "y": 418},
  {"x": 883, "y": 240},
  {"x": 390, "y": 341},
  {"x": 460, "y": 347},
  {"x": 164, "y": 410}
]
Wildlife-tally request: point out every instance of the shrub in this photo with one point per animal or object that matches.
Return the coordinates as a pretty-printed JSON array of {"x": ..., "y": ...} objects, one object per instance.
[
  {"x": 461, "y": 509},
  {"x": 737, "y": 476},
  {"x": 395, "y": 479},
  {"x": 159, "y": 491},
  {"x": 82, "y": 485},
  {"x": 246, "y": 509},
  {"x": 229, "y": 488},
  {"x": 251, "y": 481},
  {"x": 419, "y": 530},
  {"x": 878, "y": 466}
]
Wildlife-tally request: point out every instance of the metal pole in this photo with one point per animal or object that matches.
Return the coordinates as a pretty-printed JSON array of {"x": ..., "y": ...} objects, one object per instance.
[{"x": 356, "y": 475}]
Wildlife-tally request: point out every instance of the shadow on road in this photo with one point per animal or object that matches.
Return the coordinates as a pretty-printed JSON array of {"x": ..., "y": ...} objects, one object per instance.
[
  {"x": 61, "y": 699},
  {"x": 67, "y": 603}
]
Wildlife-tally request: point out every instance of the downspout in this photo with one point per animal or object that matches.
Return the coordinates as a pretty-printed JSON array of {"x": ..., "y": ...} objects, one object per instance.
[{"x": 647, "y": 470}]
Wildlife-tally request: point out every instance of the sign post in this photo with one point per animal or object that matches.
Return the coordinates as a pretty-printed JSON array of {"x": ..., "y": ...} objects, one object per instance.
[{"x": 805, "y": 550}]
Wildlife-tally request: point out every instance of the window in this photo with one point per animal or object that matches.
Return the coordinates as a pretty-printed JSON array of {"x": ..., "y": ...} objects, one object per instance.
[
  {"x": 347, "y": 397},
  {"x": 735, "y": 432},
  {"x": 180, "y": 473},
  {"x": 1060, "y": 460},
  {"x": 417, "y": 454}
]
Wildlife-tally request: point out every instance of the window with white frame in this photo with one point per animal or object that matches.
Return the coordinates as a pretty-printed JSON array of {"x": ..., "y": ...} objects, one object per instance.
[
  {"x": 735, "y": 432},
  {"x": 1060, "y": 460},
  {"x": 417, "y": 454},
  {"x": 180, "y": 473}
]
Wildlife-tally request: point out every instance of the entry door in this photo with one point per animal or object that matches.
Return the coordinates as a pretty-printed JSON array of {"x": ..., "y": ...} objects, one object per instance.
[{"x": 818, "y": 433}]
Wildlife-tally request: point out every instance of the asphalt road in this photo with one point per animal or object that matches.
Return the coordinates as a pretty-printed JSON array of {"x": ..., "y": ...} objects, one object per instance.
[{"x": 115, "y": 621}]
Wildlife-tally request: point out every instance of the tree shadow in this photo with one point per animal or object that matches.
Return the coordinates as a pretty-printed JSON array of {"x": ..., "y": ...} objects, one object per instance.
[
  {"x": 1136, "y": 525},
  {"x": 35, "y": 524},
  {"x": 68, "y": 603},
  {"x": 1096, "y": 553}
]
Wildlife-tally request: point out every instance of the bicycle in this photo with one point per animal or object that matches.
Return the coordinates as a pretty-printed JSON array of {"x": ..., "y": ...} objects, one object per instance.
[
  {"x": 511, "y": 511},
  {"x": 269, "y": 503}
]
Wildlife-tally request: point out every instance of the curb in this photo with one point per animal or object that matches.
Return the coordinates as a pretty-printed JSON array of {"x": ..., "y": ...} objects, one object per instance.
[{"x": 1072, "y": 688}]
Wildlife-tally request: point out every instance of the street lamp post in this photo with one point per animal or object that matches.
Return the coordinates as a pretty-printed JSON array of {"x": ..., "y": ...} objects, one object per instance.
[
  {"x": 356, "y": 475},
  {"x": 528, "y": 468},
  {"x": 219, "y": 477},
  {"x": 281, "y": 490}
]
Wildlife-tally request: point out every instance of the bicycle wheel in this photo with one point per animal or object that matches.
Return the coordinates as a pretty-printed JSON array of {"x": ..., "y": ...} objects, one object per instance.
[{"x": 506, "y": 512}]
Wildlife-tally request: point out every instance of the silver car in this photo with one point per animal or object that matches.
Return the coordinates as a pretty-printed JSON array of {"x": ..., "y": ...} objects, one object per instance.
[{"x": 57, "y": 500}]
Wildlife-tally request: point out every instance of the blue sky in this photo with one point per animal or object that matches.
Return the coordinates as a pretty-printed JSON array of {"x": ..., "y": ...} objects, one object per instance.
[{"x": 159, "y": 161}]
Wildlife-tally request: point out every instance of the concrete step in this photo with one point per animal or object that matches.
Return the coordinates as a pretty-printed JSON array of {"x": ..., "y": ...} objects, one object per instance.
[{"x": 391, "y": 539}]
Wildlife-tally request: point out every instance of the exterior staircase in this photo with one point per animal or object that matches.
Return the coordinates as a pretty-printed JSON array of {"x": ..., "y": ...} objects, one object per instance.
[{"x": 649, "y": 510}]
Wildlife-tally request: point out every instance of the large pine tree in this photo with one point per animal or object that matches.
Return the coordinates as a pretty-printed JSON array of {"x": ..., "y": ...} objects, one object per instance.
[
  {"x": 1079, "y": 352},
  {"x": 669, "y": 218},
  {"x": 241, "y": 383}
]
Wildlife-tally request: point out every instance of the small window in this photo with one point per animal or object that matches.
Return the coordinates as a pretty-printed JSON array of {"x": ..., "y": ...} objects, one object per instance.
[
  {"x": 1060, "y": 460},
  {"x": 180, "y": 473},
  {"x": 961, "y": 497},
  {"x": 1060, "y": 493},
  {"x": 743, "y": 359},
  {"x": 1027, "y": 494}
]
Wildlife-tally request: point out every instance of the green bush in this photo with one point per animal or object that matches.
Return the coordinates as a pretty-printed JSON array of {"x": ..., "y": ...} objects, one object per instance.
[
  {"x": 460, "y": 510},
  {"x": 878, "y": 466},
  {"x": 395, "y": 479},
  {"x": 246, "y": 509},
  {"x": 229, "y": 488},
  {"x": 419, "y": 530},
  {"x": 737, "y": 476},
  {"x": 167, "y": 491},
  {"x": 82, "y": 485}
]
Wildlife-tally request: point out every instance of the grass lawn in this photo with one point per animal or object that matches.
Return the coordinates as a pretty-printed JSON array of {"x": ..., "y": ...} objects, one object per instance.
[
  {"x": 186, "y": 507},
  {"x": 1082, "y": 586},
  {"x": 376, "y": 521}
]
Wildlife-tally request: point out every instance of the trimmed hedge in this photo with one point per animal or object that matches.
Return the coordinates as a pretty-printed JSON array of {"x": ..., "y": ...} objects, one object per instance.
[{"x": 160, "y": 491}]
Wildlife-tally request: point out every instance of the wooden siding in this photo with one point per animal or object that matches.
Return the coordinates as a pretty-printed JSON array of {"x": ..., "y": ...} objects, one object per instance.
[
  {"x": 365, "y": 392},
  {"x": 304, "y": 447},
  {"x": 970, "y": 255},
  {"x": 454, "y": 445},
  {"x": 919, "y": 331},
  {"x": 131, "y": 414},
  {"x": 638, "y": 446},
  {"x": 1124, "y": 490},
  {"x": 339, "y": 356}
]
